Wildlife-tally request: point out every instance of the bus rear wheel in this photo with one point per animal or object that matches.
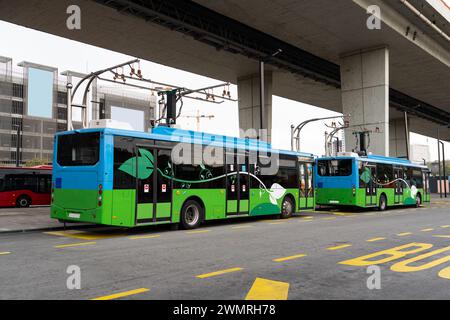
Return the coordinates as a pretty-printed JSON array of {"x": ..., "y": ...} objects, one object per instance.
[
  {"x": 383, "y": 203},
  {"x": 287, "y": 208},
  {"x": 418, "y": 200},
  {"x": 191, "y": 215},
  {"x": 23, "y": 202}
]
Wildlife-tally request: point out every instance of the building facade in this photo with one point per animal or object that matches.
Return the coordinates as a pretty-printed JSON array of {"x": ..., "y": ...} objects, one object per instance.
[{"x": 33, "y": 107}]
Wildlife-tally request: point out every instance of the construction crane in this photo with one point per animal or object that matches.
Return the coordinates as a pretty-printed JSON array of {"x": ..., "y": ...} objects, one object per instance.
[{"x": 198, "y": 117}]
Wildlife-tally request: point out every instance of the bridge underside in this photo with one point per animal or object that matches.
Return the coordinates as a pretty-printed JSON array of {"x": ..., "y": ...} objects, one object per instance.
[{"x": 226, "y": 39}]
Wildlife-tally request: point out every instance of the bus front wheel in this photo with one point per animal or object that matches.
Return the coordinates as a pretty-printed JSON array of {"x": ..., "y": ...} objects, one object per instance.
[
  {"x": 191, "y": 215},
  {"x": 23, "y": 202},
  {"x": 418, "y": 200},
  {"x": 287, "y": 208},
  {"x": 383, "y": 203}
]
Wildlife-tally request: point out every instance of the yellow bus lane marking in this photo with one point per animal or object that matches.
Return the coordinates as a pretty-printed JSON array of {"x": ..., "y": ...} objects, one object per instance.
[
  {"x": 84, "y": 235},
  {"x": 144, "y": 237},
  {"x": 427, "y": 230},
  {"x": 297, "y": 256},
  {"x": 329, "y": 218},
  {"x": 198, "y": 231},
  {"x": 441, "y": 236},
  {"x": 339, "y": 247},
  {"x": 74, "y": 245},
  {"x": 122, "y": 294},
  {"x": 445, "y": 273},
  {"x": 446, "y": 226},
  {"x": 4, "y": 253},
  {"x": 265, "y": 289},
  {"x": 404, "y": 266},
  {"x": 218, "y": 273},
  {"x": 241, "y": 227},
  {"x": 376, "y": 239},
  {"x": 404, "y": 234},
  {"x": 387, "y": 255},
  {"x": 280, "y": 222}
]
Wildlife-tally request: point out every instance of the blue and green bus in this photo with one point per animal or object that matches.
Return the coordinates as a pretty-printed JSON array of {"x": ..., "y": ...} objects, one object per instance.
[
  {"x": 370, "y": 181},
  {"x": 128, "y": 178}
]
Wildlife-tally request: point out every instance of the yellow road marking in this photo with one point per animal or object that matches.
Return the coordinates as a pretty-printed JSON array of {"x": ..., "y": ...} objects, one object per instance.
[
  {"x": 330, "y": 218},
  {"x": 307, "y": 217},
  {"x": 276, "y": 222},
  {"x": 83, "y": 235},
  {"x": 74, "y": 244},
  {"x": 144, "y": 237},
  {"x": 427, "y": 230},
  {"x": 264, "y": 289},
  {"x": 4, "y": 253},
  {"x": 122, "y": 294},
  {"x": 445, "y": 273},
  {"x": 241, "y": 227},
  {"x": 198, "y": 231},
  {"x": 297, "y": 256},
  {"x": 369, "y": 214},
  {"x": 441, "y": 236},
  {"x": 404, "y": 234},
  {"x": 447, "y": 226},
  {"x": 339, "y": 247},
  {"x": 375, "y": 239},
  {"x": 218, "y": 273}
]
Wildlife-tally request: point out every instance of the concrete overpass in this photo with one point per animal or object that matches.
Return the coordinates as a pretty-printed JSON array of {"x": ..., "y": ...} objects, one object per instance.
[{"x": 329, "y": 57}]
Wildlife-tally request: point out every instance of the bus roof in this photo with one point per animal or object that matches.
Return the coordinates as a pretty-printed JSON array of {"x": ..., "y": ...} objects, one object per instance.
[
  {"x": 180, "y": 135},
  {"x": 378, "y": 159}
]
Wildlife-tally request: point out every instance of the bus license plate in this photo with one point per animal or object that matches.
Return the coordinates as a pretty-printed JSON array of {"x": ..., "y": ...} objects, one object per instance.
[{"x": 74, "y": 215}]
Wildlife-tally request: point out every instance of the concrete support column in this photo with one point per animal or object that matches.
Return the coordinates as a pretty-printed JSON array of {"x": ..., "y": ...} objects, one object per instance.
[
  {"x": 249, "y": 106},
  {"x": 397, "y": 139},
  {"x": 365, "y": 96}
]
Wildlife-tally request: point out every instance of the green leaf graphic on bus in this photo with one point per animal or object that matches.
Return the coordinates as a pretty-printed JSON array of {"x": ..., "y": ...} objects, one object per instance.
[
  {"x": 366, "y": 176},
  {"x": 144, "y": 162}
]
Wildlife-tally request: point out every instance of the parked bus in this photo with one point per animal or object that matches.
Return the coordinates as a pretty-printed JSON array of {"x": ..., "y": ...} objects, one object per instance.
[
  {"x": 370, "y": 181},
  {"x": 128, "y": 178},
  {"x": 22, "y": 187}
]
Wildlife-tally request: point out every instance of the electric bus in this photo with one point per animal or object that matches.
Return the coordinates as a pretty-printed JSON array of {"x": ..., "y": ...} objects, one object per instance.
[
  {"x": 22, "y": 186},
  {"x": 127, "y": 178},
  {"x": 370, "y": 181}
]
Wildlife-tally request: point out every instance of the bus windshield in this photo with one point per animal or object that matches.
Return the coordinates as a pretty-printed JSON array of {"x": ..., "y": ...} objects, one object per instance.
[
  {"x": 80, "y": 149},
  {"x": 335, "y": 168}
]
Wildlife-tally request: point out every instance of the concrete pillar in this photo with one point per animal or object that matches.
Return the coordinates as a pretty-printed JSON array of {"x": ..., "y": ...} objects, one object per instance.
[
  {"x": 249, "y": 106},
  {"x": 365, "y": 96},
  {"x": 397, "y": 138}
]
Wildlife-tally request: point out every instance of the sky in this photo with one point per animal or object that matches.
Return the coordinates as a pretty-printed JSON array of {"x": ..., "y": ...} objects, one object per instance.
[{"x": 23, "y": 44}]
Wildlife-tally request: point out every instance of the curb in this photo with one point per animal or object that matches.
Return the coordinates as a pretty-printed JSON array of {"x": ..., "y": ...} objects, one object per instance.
[{"x": 87, "y": 226}]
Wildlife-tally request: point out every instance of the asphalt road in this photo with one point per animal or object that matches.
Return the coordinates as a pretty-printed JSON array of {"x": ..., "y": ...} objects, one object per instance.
[{"x": 299, "y": 258}]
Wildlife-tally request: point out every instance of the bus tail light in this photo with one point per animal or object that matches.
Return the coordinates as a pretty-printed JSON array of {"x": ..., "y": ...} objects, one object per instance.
[
  {"x": 354, "y": 191},
  {"x": 100, "y": 192}
]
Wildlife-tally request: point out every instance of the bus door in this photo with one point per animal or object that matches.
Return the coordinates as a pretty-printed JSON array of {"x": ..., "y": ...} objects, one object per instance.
[
  {"x": 153, "y": 183},
  {"x": 371, "y": 187},
  {"x": 306, "y": 192},
  {"x": 426, "y": 185},
  {"x": 398, "y": 185},
  {"x": 237, "y": 169}
]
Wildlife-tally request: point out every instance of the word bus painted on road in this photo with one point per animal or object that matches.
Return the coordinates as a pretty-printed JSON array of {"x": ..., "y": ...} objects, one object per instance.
[
  {"x": 129, "y": 178},
  {"x": 370, "y": 181},
  {"x": 25, "y": 186}
]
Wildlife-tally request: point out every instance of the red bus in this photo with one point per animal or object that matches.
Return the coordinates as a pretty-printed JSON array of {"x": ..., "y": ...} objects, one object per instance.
[{"x": 22, "y": 187}]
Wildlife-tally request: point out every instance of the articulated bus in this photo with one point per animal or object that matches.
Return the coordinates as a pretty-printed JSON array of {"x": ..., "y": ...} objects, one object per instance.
[
  {"x": 128, "y": 178},
  {"x": 370, "y": 181},
  {"x": 22, "y": 187}
]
